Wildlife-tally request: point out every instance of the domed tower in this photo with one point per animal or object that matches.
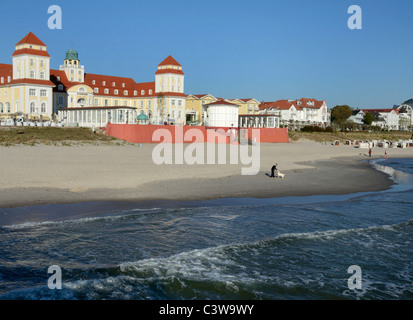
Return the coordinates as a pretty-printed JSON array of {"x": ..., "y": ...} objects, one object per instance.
[{"x": 74, "y": 71}]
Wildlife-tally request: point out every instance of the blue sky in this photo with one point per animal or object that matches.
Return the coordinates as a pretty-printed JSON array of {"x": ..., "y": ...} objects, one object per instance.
[{"x": 267, "y": 50}]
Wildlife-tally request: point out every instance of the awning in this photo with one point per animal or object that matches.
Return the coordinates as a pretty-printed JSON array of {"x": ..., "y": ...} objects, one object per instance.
[
  {"x": 33, "y": 117},
  {"x": 45, "y": 118}
]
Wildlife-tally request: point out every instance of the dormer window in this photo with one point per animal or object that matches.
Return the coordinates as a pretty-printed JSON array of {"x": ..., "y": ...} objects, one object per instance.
[
  {"x": 135, "y": 93},
  {"x": 96, "y": 90},
  {"x": 114, "y": 84},
  {"x": 125, "y": 92},
  {"x": 142, "y": 92},
  {"x": 58, "y": 78},
  {"x": 60, "y": 87},
  {"x": 116, "y": 92},
  {"x": 93, "y": 82},
  {"x": 150, "y": 91},
  {"x": 123, "y": 85},
  {"x": 104, "y": 83},
  {"x": 106, "y": 91}
]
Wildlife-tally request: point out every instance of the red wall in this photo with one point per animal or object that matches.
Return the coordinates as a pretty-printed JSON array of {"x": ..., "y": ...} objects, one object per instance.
[{"x": 146, "y": 134}]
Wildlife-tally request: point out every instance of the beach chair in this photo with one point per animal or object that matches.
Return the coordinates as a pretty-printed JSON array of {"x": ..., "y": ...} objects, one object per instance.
[{"x": 278, "y": 174}]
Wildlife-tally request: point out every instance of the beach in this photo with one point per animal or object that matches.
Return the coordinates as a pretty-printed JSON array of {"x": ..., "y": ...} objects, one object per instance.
[{"x": 35, "y": 175}]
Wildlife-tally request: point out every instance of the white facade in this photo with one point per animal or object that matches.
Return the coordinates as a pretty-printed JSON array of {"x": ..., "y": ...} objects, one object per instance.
[{"x": 221, "y": 114}]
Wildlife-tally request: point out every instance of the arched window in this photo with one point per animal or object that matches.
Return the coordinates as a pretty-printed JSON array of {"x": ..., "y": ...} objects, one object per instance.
[
  {"x": 32, "y": 107},
  {"x": 8, "y": 107},
  {"x": 60, "y": 87},
  {"x": 116, "y": 91},
  {"x": 81, "y": 89},
  {"x": 1, "y": 108},
  {"x": 43, "y": 108},
  {"x": 179, "y": 114},
  {"x": 173, "y": 114},
  {"x": 81, "y": 102}
]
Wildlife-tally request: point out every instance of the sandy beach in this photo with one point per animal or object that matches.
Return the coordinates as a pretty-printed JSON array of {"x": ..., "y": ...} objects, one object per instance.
[{"x": 65, "y": 174}]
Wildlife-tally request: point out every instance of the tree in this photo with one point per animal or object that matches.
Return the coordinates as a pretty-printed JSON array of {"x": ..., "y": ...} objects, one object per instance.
[
  {"x": 340, "y": 114},
  {"x": 368, "y": 118}
]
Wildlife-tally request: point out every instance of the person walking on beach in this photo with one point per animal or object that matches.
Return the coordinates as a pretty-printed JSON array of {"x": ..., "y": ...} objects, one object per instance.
[
  {"x": 274, "y": 167},
  {"x": 385, "y": 154},
  {"x": 370, "y": 152}
]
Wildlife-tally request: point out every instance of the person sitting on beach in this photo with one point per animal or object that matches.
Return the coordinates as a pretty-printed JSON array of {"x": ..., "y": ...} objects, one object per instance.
[{"x": 273, "y": 169}]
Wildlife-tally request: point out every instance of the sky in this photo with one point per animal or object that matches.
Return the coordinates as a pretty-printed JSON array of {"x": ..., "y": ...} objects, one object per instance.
[{"x": 262, "y": 49}]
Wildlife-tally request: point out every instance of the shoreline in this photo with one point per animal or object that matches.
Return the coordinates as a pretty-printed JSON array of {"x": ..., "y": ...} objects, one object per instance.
[
  {"x": 311, "y": 170},
  {"x": 369, "y": 180}
]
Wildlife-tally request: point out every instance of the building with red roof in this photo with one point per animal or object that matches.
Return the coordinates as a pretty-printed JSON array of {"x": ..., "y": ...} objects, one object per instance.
[
  {"x": 298, "y": 113},
  {"x": 34, "y": 91}
]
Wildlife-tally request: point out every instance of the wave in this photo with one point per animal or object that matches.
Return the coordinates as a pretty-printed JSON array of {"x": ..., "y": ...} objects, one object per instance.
[
  {"x": 82, "y": 220},
  {"x": 230, "y": 270}
]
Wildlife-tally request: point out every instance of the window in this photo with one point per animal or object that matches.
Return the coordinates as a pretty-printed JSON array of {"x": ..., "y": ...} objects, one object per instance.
[
  {"x": 114, "y": 84},
  {"x": 96, "y": 90},
  {"x": 32, "y": 74},
  {"x": 126, "y": 103},
  {"x": 81, "y": 89},
  {"x": 2, "y": 79},
  {"x": 96, "y": 102},
  {"x": 116, "y": 91},
  {"x": 173, "y": 102},
  {"x": 173, "y": 88},
  {"x": 106, "y": 102},
  {"x": 123, "y": 85},
  {"x": 149, "y": 103},
  {"x": 150, "y": 91},
  {"x": 173, "y": 114},
  {"x": 41, "y": 63},
  {"x": 179, "y": 114},
  {"x": 32, "y": 107},
  {"x": 31, "y": 62},
  {"x": 93, "y": 82},
  {"x": 106, "y": 91},
  {"x": 104, "y": 83},
  {"x": 8, "y": 107},
  {"x": 1, "y": 108},
  {"x": 135, "y": 93},
  {"x": 43, "y": 93},
  {"x": 43, "y": 108},
  {"x": 60, "y": 100},
  {"x": 58, "y": 78},
  {"x": 179, "y": 102},
  {"x": 60, "y": 87},
  {"x": 125, "y": 92},
  {"x": 116, "y": 103},
  {"x": 42, "y": 75},
  {"x": 32, "y": 92},
  {"x": 72, "y": 71},
  {"x": 142, "y": 92}
]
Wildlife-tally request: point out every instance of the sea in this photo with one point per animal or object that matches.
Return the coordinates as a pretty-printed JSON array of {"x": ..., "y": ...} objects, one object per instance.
[{"x": 357, "y": 246}]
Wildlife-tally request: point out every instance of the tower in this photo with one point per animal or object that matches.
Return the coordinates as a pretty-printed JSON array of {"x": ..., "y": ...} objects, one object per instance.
[
  {"x": 30, "y": 59},
  {"x": 169, "y": 87},
  {"x": 74, "y": 71},
  {"x": 169, "y": 77}
]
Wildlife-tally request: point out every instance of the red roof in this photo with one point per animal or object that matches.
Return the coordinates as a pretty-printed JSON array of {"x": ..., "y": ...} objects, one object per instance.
[
  {"x": 30, "y": 38},
  {"x": 378, "y": 110},
  {"x": 287, "y": 104},
  {"x": 169, "y": 61},
  {"x": 31, "y": 51},
  {"x": 169, "y": 70}
]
